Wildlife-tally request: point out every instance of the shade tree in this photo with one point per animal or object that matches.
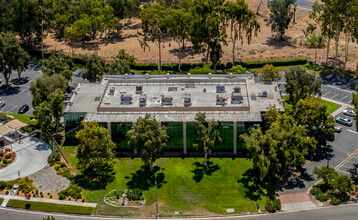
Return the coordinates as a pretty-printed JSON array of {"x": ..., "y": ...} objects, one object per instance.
[{"x": 94, "y": 68}]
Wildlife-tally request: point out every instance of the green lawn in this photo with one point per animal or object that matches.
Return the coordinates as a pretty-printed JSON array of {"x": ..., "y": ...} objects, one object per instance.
[
  {"x": 331, "y": 106},
  {"x": 70, "y": 153},
  {"x": 24, "y": 118},
  {"x": 50, "y": 207},
  {"x": 1, "y": 200},
  {"x": 183, "y": 187}
]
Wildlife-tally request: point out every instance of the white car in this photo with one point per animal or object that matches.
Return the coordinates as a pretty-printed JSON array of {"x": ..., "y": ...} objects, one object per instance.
[
  {"x": 2, "y": 104},
  {"x": 349, "y": 112}
]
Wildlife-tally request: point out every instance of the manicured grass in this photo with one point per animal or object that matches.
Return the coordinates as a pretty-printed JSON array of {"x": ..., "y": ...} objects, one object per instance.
[
  {"x": 1, "y": 200},
  {"x": 24, "y": 118},
  {"x": 331, "y": 106},
  {"x": 70, "y": 153},
  {"x": 50, "y": 207},
  {"x": 185, "y": 187}
]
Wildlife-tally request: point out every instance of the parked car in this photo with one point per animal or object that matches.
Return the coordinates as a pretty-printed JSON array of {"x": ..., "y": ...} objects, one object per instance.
[
  {"x": 337, "y": 128},
  {"x": 330, "y": 137},
  {"x": 349, "y": 112},
  {"x": 344, "y": 121},
  {"x": 23, "y": 109},
  {"x": 2, "y": 104}
]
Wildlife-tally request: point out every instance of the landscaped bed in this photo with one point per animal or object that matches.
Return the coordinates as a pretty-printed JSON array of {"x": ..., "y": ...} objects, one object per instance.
[
  {"x": 50, "y": 207},
  {"x": 7, "y": 156},
  {"x": 183, "y": 186}
]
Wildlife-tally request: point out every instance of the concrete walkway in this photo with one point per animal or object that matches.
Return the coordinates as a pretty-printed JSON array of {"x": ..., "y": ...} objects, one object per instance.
[
  {"x": 31, "y": 156},
  {"x": 54, "y": 201}
]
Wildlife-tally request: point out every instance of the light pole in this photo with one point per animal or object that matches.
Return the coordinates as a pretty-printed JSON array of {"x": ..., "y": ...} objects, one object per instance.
[{"x": 156, "y": 200}]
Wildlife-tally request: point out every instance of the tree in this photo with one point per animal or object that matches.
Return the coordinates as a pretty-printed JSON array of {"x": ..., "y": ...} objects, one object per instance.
[
  {"x": 22, "y": 62},
  {"x": 95, "y": 150},
  {"x": 283, "y": 146},
  {"x": 94, "y": 68},
  {"x": 44, "y": 86},
  {"x": 280, "y": 15},
  {"x": 43, "y": 114},
  {"x": 271, "y": 115},
  {"x": 355, "y": 105},
  {"x": 209, "y": 31},
  {"x": 120, "y": 64},
  {"x": 56, "y": 100},
  {"x": 294, "y": 13},
  {"x": 179, "y": 25},
  {"x": 300, "y": 83},
  {"x": 154, "y": 28},
  {"x": 149, "y": 137},
  {"x": 241, "y": 20},
  {"x": 343, "y": 184},
  {"x": 311, "y": 113},
  {"x": 132, "y": 9},
  {"x": 259, "y": 6},
  {"x": 207, "y": 134},
  {"x": 269, "y": 73},
  {"x": 58, "y": 64},
  {"x": 10, "y": 54},
  {"x": 327, "y": 174}
]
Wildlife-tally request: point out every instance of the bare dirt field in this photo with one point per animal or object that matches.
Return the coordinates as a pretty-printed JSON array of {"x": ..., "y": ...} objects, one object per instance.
[{"x": 265, "y": 46}]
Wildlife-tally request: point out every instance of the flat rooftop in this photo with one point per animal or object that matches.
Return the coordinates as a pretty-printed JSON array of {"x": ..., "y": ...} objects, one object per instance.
[{"x": 175, "y": 98}]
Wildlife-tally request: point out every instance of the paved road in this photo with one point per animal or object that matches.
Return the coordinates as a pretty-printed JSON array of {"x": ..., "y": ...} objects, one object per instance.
[
  {"x": 343, "y": 212},
  {"x": 31, "y": 156},
  {"x": 304, "y": 4}
]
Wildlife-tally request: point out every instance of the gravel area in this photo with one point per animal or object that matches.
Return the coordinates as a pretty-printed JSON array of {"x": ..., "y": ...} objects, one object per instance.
[{"x": 47, "y": 181}]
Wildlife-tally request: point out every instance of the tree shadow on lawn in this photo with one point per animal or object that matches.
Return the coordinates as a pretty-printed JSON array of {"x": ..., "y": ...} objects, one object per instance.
[
  {"x": 144, "y": 179},
  {"x": 87, "y": 181},
  {"x": 201, "y": 170},
  {"x": 254, "y": 188}
]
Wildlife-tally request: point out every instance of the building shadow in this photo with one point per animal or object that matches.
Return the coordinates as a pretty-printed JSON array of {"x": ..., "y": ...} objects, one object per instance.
[
  {"x": 202, "y": 170},
  {"x": 144, "y": 179}
]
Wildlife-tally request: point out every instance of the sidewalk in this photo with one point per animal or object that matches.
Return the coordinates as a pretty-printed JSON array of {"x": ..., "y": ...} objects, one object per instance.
[{"x": 54, "y": 201}]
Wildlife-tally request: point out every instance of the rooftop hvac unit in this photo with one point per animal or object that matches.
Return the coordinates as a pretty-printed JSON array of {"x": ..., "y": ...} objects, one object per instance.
[
  {"x": 111, "y": 91},
  {"x": 167, "y": 100},
  {"x": 220, "y": 100},
  {"x": 126, "y": 99},
  {"x": 187, "y": 100},
  {"x": 139, "y": 89},
  {"x": 220, "y": 88},
  {"x": 237, "y": 89},
  {"x": 236, "y": 98},
  {"x": 142, "y": 100}
]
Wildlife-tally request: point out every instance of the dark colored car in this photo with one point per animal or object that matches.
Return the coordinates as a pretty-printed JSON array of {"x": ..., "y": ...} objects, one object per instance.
[
  {"x": 344, "y": 121},
  {"x": 23, "y": 109}
]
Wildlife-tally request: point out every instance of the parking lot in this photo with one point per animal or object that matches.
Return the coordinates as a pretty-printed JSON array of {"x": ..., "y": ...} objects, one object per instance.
[
  {"x": 340, "y": 95},
  {"x": 18, "y": 93}
]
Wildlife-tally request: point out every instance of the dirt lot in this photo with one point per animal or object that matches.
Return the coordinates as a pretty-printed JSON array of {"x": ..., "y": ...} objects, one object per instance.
[{"x": 264, "y": 46}]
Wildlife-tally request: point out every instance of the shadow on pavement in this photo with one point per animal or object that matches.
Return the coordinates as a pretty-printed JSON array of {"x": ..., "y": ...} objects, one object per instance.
[{"x": 296, "y": 179}]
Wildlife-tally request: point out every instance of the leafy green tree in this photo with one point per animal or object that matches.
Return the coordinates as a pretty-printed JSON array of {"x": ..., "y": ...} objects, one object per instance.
[
  {"x": 23, "y": 61},
  {"x": 149, "y": 137},
  {"x": 179, "y": 25},
  {"x": 56, "y": 100},
  {"x": 280, "y": 15},
  {"x": 300, "y": 83},
  {"x": 154, "y": 28},
  {"x": 271, "y": 115},
  {"x": 95, "y": 150},
  {"x": 43, "y": 114},
  {"x": 311, "y": 113},
  {"x": 283, "y": 146},
  {"x": 94, "y": 68},
  {"x": 209, "y": 31},
  {"x": 44, "y": 86},
  {"x": 10, "y": 55},
  {"x": 58, "y": 64},
  {"x": 207, "y": 134},
  {"x": 119, "y": 7},
  {"x": 327, "y": 174},
  {"x": 238, "y": 69},
  {"x": 242, "y": 22},
  {"x": 132, "y": 9},
  {"x": 269, "y": 73},
  {"x": 120, "y": 64},
  {"x": 343, "y": 184}
]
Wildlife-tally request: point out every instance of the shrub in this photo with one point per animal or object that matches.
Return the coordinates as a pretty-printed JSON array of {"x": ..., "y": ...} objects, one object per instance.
[
  {"x": 335, "y": 201},
  {"x": 4, "y": 161},
  {"x": 238, "y": 69},
  {"x": 272, "y": 205},
  {"x": 34, "y": 123},
  {"x": 322, "y": 197},
  {"x": 32, "y": 117},
  {"x": 50, "y": 196},
  {"x": 6, "y": 192},
  {"x": 73, "y": 191},
  {"x": 1, "y": 154},
  {"x": 134, "y": 194},
  {"x": 7, "y": 156},
  {"x": 144, "y": 66},
  {"x": 204, "y": 70},
  {"x": 4, "y": 117},
  {"x": 83, "y": 200},
  {"x": 2, "y": 185},
  {"x": 61, "y": 196},
  {"x": 315, "y": 190}
]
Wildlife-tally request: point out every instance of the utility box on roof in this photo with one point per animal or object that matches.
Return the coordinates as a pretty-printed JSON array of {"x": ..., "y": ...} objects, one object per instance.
[
  {"x": 220, "y": 88},
  {"x": 167, "y": 100},
  {"x": 139, "y": 89},
  {"x": 142, "y": 100},
  {"x": 236, "y": 98},
  {"x": 187, "y": 100},
  {"x": 126, "y": 99}
]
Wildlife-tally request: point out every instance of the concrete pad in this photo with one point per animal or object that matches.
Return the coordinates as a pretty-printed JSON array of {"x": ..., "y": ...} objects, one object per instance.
[
  {"x": 31, "y": 156},
  {"x": 294, "y": 197},
  {"x": 298, "y": 206}
]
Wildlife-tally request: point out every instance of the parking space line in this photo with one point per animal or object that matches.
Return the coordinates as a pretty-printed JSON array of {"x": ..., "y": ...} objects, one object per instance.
[
  {"x": 344, "y": 172},
  {"x": 335, "y": 96},
  {"x": 354, "y": 132},
  {"x": 12, "y": 108},
  {"x": 343, "y": 98},
  {"x": 326, "y": 93}
]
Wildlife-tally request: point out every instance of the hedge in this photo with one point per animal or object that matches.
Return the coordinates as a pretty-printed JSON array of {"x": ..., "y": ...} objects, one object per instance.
[{"x": 220, "y": 66}]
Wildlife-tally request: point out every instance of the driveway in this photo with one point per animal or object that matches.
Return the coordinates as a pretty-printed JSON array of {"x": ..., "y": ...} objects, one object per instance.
[{"x": 31, "y": 156}]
